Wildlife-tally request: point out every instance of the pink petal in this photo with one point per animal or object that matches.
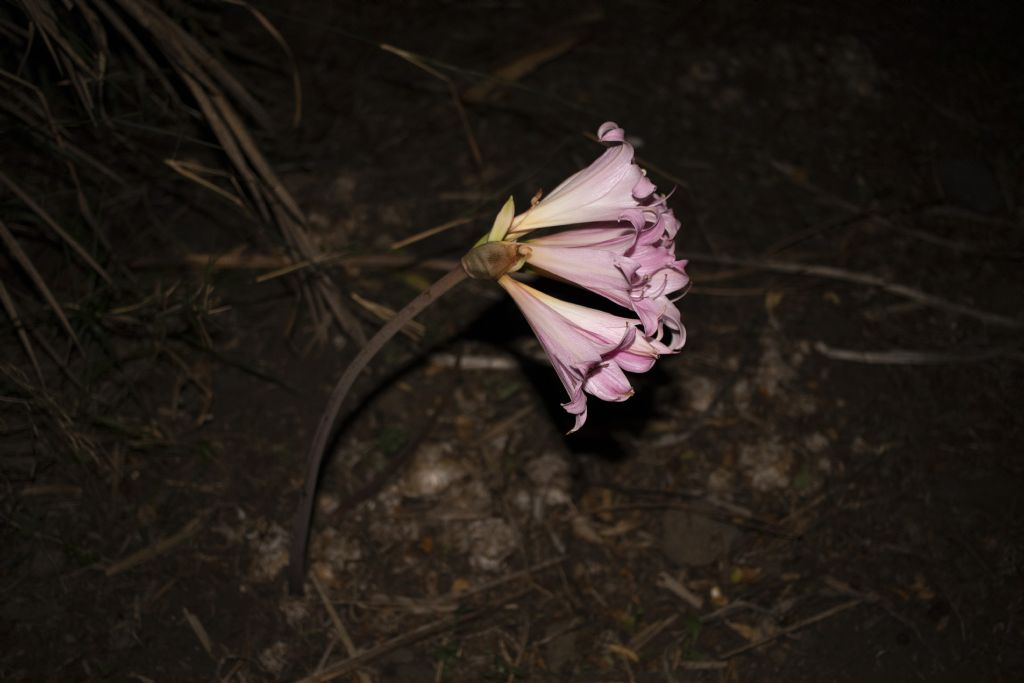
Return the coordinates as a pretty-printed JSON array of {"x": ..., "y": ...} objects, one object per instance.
[
  {"x": 589, "y": 349},
  {"x": 596, "y": 270},
  {"x": 641, "y": 282},
  {"x": 610, "y": 132},
  {"x": 604, "y": 191}
]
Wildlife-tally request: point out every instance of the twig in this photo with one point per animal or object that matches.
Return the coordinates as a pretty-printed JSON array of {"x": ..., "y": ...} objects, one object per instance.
[
  {"x": 669, "y": 583},
  {"x": 450, "y": 603},
  {"x": 651, "y": 632},
  {"x": 821, "y": 616},
  {"x": 339, "y": 626},
  {"x": 910, "y": 357},
  {"x": 315, "y": 456},
  {"x": 200, "y": 631},
  {"x": 158, "y": 548},
  {"x": 702, "y": 665},
  {"x": 867, "y": 279},
  {"x": 407, "y": 638}
]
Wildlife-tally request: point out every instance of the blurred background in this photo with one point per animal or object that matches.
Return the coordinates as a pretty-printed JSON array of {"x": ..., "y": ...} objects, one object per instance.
[{"x": 207, "y": 207}]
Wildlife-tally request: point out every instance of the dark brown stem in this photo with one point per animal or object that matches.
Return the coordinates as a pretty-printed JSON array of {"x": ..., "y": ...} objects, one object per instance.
[{"x": 315, "y": 457}]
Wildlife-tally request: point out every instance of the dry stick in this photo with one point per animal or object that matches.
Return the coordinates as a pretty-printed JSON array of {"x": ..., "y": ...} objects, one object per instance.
[
  {"x": 339, "y": 626},
  {"x": 407, "y": 638},
  {"x": 863, "y": 279},
  {"x": 821, "y": 616},
  {"x": 913, "y": 357},
  {"x": 315, "y": 456},
  {"x": 158, "y": 548}
]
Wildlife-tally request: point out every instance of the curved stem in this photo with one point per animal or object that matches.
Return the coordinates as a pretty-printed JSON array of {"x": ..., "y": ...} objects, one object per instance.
[{"x": 315, "y": 456}]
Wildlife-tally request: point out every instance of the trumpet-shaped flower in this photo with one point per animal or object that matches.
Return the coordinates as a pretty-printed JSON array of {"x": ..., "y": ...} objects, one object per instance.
[
  {"x": 589, "y": 349},
  {"x": 615, "y": 237}
]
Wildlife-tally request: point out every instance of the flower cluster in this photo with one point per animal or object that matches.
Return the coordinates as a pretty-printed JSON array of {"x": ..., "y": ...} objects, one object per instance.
[{"x": 607, "y": 230}]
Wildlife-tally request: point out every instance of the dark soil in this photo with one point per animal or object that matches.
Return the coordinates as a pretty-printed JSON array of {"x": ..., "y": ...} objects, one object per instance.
[{"x": 763, "y": 509}]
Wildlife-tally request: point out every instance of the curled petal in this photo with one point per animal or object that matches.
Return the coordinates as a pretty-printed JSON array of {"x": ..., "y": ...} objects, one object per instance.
[
  {"x": 611, "y": 132},
  {"x": 644, "y": 188}
]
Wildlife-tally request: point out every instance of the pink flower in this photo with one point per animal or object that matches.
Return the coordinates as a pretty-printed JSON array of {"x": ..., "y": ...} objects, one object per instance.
[
  {"x": 589, "y": 349},
  {"x": 616, "y": 240}
]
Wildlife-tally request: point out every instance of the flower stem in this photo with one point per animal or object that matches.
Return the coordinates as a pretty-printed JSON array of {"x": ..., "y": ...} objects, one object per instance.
[{"x": 315, "y": 456}]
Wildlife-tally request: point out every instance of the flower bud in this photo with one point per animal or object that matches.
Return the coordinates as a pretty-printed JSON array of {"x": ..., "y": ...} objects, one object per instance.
[{"x": 491, "y": 260}]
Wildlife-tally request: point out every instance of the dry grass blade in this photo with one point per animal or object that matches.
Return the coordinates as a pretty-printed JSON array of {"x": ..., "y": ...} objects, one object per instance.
[
  {"x": 46, "y": 218},
  {"x": 26, "y": 343},
  {"x": 99, "y": 37},
  {"x": 140, "y": 51},
  {"x": 228, "y": 144},
  {"x": 35, "y": 113},
  {"x": 339, "y": 627},
  {"x": 64, "y": 54},
  {"x": 255, "y": 157},
  {"x": 276, "y": 35},
  {"x": 25, "y": 262},
  {"x": 41, "y": 14},
  {"x": 192, "y": 171},
  {"x": 436, "y": 230},
  {"x": 190, "y": 55},
  {"x": 201, "y": 634},
  {"x": 415, "y": 60},
  {"x": 414, "y": 330},
  {"x": 523, "y": 64}
]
